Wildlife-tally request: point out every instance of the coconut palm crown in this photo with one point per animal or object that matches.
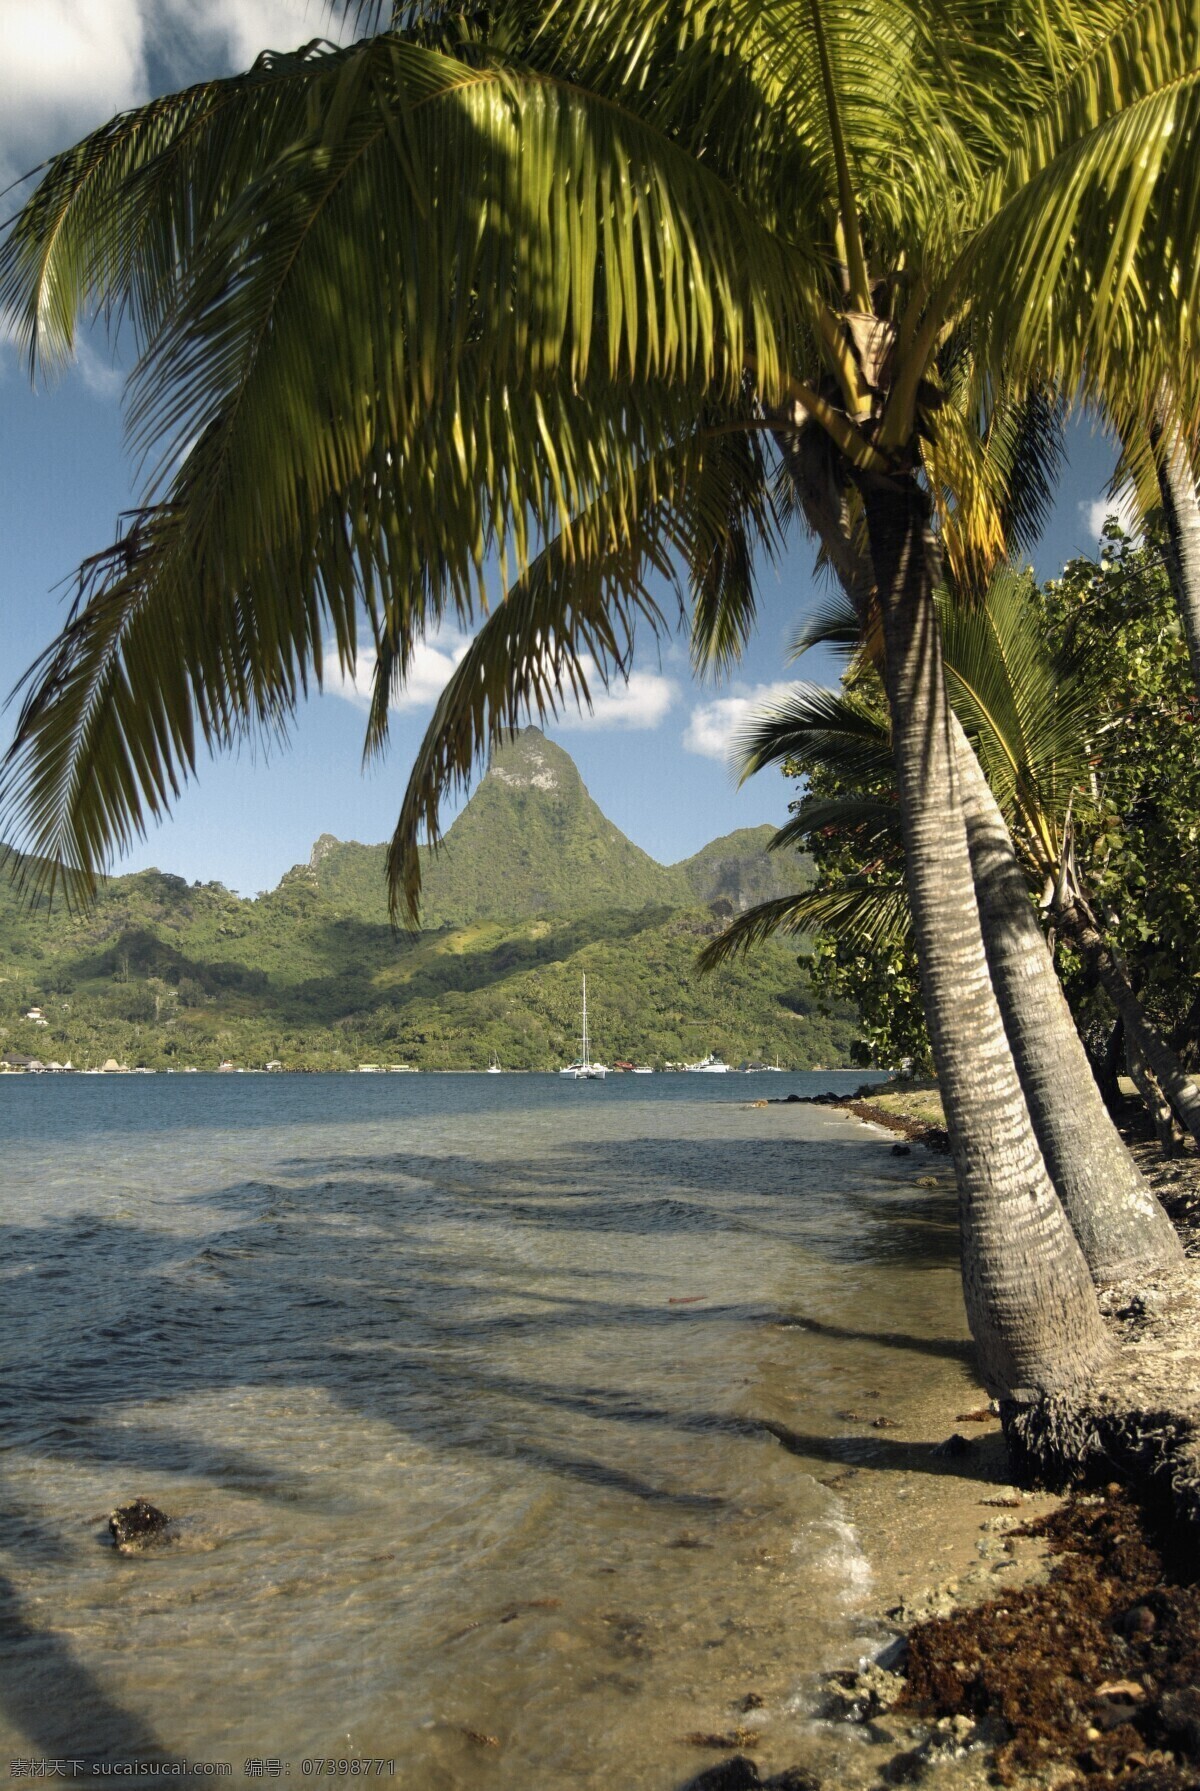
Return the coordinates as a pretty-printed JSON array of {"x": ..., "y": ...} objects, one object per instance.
[{"x": 412, "y": 311}]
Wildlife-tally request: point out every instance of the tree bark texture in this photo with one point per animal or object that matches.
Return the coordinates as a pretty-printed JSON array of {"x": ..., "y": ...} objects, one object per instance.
[
  {"x": 1029, "y": 1296},
  {"x": 1141, "y": 1037},
  {"x": 1166, "y": 1128},
  {"x": 1121, "y": 1228},
  {"x": 1177, "y": 488}
]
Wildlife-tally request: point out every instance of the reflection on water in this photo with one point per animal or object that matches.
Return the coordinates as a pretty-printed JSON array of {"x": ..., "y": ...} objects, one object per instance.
[{"x": 497, "y": 1415}]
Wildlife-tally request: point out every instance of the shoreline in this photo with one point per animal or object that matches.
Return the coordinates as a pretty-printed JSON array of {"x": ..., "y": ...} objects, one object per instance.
[{"x": 1085, "y": 1667}]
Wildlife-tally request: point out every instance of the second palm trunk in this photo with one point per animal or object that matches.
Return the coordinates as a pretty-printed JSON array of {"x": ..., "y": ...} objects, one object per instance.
[{"x": 1030, "y": 1300}]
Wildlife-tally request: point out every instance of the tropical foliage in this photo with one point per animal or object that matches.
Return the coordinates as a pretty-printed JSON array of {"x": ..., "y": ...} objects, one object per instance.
[
  {"x": 1136, "y": 830},
  {"x": 1077, "y": 697},
  {"x": 166, "y": 974}
]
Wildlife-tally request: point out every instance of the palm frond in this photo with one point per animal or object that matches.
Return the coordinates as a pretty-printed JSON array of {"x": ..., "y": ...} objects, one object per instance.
[
  {"x": 874, "y": 917},
  {"x": 813, "y": 726},
  {"x": 115, "y": 707},
  {"x": 873, "y": 821},
  {"x": 833, "y": 623},
  {"x": 1079, "y": 263},
  {"x": 732, "y": 525},
  {"x": 1028, "y": 712},
  {"x": 1026, "y": 439},
  {"x": 115, "y": 221}
]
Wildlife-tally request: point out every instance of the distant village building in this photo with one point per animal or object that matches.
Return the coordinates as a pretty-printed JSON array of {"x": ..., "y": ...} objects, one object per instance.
[{"x": 37, "y": 1016}]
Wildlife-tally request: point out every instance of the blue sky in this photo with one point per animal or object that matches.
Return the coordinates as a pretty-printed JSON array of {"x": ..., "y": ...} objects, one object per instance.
[{"x": 653, "y": 755}]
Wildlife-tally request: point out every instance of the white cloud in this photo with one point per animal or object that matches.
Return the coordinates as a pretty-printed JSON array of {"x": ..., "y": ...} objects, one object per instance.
[
  {"x": 67, "y": 65},
  {"x": 713, "y": 729},
  {"x": 95, "y": 366},
  {"x": 1096, "y": 513},
  {"x": 641, "y": 702},
  {"x": 98, "y": 373},
  {"x": 432, "y": 664}
]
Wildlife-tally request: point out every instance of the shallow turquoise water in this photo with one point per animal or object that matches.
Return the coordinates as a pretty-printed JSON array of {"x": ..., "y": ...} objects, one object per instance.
[{"x": 495, "y": 1412}]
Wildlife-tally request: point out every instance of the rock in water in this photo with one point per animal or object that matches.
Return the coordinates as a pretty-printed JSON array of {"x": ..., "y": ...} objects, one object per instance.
[
  {"x": 137, "y": 1524},
  {"x": 741, "y": 1774},
  {"x": 738, "y": 1774}
]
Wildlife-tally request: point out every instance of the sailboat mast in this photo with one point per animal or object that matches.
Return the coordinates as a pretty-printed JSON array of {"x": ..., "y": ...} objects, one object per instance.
[{"x": 586, "y": 1057}]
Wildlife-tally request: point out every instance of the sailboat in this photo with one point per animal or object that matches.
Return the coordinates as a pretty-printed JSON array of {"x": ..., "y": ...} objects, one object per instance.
[
  {"x": 583, "y": 1069},
  {"x": 493, "y": 1068}
]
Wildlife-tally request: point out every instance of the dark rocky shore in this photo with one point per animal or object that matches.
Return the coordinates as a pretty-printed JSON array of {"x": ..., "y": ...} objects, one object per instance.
[
  {"x": 1091, "y": 1678},
  {"x": 914, "y": 1128}
]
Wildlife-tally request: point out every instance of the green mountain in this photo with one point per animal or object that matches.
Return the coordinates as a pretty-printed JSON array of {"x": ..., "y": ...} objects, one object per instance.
[
  {"x": 535, "y": 887},
  {"x": 532, "y": 842},
  {"x": 738, "y": 869}
]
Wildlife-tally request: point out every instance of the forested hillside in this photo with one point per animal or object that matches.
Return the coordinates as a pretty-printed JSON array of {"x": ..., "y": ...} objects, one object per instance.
[{"x": 167, "y": 974}]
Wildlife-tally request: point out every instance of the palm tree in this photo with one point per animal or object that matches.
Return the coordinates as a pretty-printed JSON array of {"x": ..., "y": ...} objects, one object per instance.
[
  {"x": 463, "y": 290},
  {"x": 1030, "y": 715}
]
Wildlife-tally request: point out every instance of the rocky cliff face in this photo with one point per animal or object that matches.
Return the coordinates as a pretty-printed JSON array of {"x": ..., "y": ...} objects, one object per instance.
[{"x": 530, "y": 762}]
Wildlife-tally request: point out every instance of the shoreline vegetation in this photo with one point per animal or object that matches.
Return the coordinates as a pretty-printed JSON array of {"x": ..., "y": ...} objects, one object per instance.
[{"x": 1085, "y": 1669}]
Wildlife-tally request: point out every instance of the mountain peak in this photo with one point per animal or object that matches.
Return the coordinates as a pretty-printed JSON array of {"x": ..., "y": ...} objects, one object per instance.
[
  {"x": 322, "y": 847},
  {"x": 531, "y": 841},
  {"x": 529, "y": 761}
]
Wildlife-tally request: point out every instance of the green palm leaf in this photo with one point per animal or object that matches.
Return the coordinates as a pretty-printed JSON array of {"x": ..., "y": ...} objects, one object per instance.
[
  {"x": 814, "y": 727},
  {"x": 1059, "y": 233},
  {"x": 871, "y": 916},
  {"x": 1030, "y": 713},
  {"x": 115, "y": 221}
]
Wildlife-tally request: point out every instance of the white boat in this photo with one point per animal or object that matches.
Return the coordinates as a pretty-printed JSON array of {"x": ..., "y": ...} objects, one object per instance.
[
  {"x": 493, "y": 1068},
  {"x": 583, "y": 1069},
  {"x": 712, "y": 1065},
  {"x": 641, "y": 1069}
]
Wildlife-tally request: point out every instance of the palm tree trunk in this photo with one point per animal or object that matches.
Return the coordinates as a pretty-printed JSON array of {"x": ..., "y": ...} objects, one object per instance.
[
  {"x": 1120, "y": 1226},
  {"x": 1077, "y": 920},
  {"x": 1177, "y": 487},
  {"x": 1166, "y": 1128},
  {"x": 1029, "y": 1297}
]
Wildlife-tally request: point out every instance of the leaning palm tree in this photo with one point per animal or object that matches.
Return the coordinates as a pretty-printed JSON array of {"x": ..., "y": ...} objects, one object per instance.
[
  {"x": 420, "y": 307},
  {"x": 1026, "y": 724}
]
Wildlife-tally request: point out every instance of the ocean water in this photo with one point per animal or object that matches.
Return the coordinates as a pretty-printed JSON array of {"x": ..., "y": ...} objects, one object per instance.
[{"x": 503, "y": 1419}]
